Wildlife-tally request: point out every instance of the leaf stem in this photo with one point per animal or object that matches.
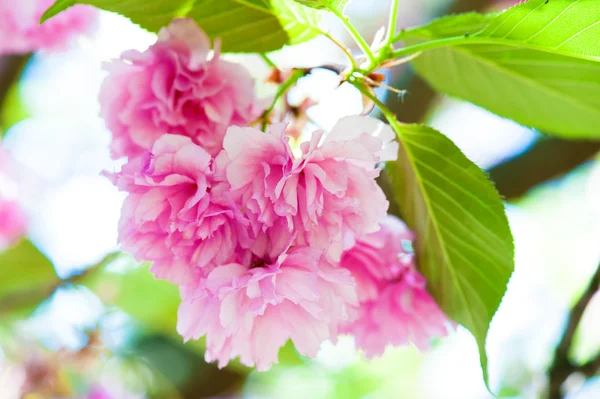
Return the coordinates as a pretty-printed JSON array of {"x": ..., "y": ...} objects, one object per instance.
[
  {"x": 399, "y": 36},
  {"x": 343, "y": 48},
  {"x": 364, "y": 46},
  {"x": 389, "y": 115},
  {"x": 267, "y": 60},
  {"x": 392, "y": 22}
]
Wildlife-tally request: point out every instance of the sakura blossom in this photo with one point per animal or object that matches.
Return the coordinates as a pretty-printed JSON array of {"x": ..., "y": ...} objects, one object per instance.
[
  {"x": 395, "y": 307},
  {"x": 176, "y": 86},
  {"x": 111, "y": 391},
  {"x": 327, "y": 195},
  {"x": 253, "y": 236},
  {"x": 176, "y": 214},
  {"x": 251, "y": 309},
  {"x": 21, "y": 32}
]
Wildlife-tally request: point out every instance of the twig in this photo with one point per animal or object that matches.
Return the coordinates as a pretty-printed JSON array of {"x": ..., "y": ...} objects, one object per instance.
[
  {"x": 590, "y": 368},
  {"x": 512, "y": 183},
  {"x": 561, "y": 368}
]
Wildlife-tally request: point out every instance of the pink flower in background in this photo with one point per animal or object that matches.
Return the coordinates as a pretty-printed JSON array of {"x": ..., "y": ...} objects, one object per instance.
[
  {"x": 21, "y": 32},
  {"x": 251, "y": 309},
  {"x": 111, "y": 391},
  {"x": 328, "y": 195},
  {"x": 176, "y": 214},
  {"x": 98, "y": 393},
  {"x": 13, "y": 223},
  {"x": 395, "y": 307},
  {"x": 174, "y": 87}
]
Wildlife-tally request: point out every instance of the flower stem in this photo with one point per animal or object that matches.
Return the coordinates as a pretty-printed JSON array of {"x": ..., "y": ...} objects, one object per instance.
[
  {"x": 355, "y": 35},
  {"x": 389, "y": 115},
  {"x": 267, "y": 60},
  {"x": 344, "y": 50}
]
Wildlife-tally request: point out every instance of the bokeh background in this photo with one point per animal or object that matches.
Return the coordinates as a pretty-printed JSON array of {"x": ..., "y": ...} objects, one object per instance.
[{"x": 89, "y": 319}]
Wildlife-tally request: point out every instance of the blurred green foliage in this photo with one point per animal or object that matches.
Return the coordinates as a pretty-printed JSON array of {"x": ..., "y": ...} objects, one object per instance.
[
  {"x": 13, "y": 110},
  {"x": 27, "y": 277}
]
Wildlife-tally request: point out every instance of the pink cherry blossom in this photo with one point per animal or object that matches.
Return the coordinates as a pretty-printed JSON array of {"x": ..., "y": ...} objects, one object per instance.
[
  {"x": 327, "y": 195},
  {"x": 175, "y": 87},
  {"x": 176, "y": 214},
  {"x": 255, "y": 164},
  {"x": 21, "y": 32},
  {"x": 251, "y": 309},
  {"x": 395, "y": 307},
  {"x": 98, "y": 393},
  {"x": 111, "y": 390},
  {"x": 13, "y": 222}
]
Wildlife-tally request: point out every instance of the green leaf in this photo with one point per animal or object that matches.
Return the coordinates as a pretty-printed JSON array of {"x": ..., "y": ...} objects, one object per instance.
[
  {"x": 537, "y": 63},
  {"x": 242, "y": 25},
  {"x": 13, "y": 110},
  {"x": 464, "y": 245},
  {"x": 136, "y": 291},
  {"x": 324, "y": 4},
  {"x": 448, "y": 26},
  {"x": 27, "y": 277},
  {"x": 300, "y": 23}
]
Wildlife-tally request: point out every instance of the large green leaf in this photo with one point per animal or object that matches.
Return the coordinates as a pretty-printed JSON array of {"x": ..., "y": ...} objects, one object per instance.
[
  {"x": 325, "y": 4},
  {"x": 242, "y": 25},
  {"x": 27, "y": 277},
  {"x": 537, "y": 63},
  {"x": 449, "y": 26},
  {"x": 464, "y": 244}
]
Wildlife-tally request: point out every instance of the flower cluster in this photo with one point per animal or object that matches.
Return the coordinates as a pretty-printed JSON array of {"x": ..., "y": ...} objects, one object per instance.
[
  {"x": 174, "y": 87},
  {"x": 395, "y": 307},
  {"x": 266, "y": 244},
  {"x": 21, "y": 32}
]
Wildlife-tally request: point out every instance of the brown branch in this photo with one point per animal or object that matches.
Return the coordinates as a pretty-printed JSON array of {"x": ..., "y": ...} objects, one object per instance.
[
  {"x": 590, "y": 368},
  {"x": 546, "y": 160},
  {"x": 561, "y": 368}
]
